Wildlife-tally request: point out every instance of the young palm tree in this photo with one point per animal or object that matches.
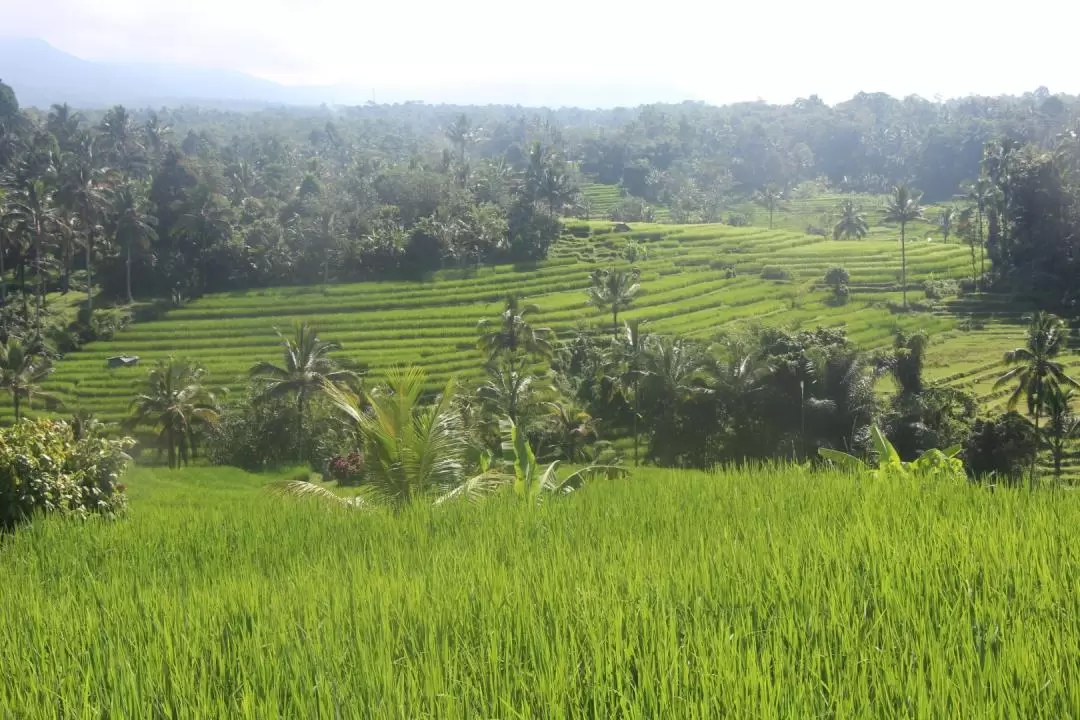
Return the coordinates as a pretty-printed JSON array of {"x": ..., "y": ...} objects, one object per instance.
[
  {"x": 852, "y": 223},
  {"x": 136, "y": 225},
  {"x": 613, "y": 290},
  {"x": 512, "y": 333},
  {"x": 411, "y": 450},
  {"x": 177, "y": 404},
  {"x": 1037, "y": 375},
  {"x": 21, "y": 375},
  {"x": 903, "y": 207},
  {"x": 307, "y": 371},
  {"x": 946, "y": 221}
]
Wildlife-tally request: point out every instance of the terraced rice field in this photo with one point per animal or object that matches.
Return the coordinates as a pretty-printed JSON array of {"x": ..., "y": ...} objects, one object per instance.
[
  {"x": 602, "y": 198},
  {"x": 434, "y": 323}
]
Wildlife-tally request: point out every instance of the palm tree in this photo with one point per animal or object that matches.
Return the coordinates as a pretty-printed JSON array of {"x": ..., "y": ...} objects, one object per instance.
[
  {"x": 613, "y": 290},
  {"x": 460, "y": 134},
  {"x": 178, "y": 405},
  {"x": 769, "y": 197},
  {"x": 86, "y": 191},
  {"x": 509, "y": 391},
  {"x": 852, "y": 223},
  {"x": 945, "y": 222},
  {"x": 903, "y": 207},
  {"x": 30, "y": 217},
  {"x": 1062, "y": 426},
  {"x": 631, "y": 352},
  {"x": 136, "y": 225},
  {"x": 512, "y": 333},
  {"x": 307, "y": 371},
  {"x": 411, "y": 450},
  {"x": 570, "y": 428},
  {"x": 21, "y": 374},
  {"x": 982, "y": 195},
  {"x": 1036, "y": 374}
]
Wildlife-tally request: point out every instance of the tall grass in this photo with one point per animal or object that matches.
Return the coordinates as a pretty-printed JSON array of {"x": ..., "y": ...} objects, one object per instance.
[{"x": 741, "y": 594}]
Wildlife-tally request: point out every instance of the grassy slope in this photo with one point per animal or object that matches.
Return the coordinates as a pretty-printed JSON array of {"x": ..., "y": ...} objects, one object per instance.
[
  {"x": 434, "y": 323},
  {"x": 739, "y": 594}
]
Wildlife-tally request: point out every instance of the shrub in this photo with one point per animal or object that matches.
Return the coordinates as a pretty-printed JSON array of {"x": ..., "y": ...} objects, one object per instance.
[
  {"x": 738, "y": 220},
  {"x": 940, "y": 289},
  {"x": 1001, "y": 448},
  {"x": 44, "y": 468},
  {"x": 346, "y": 469},
  {"x": 104, "y": 324},
  {"x": 775, "y": 272}
]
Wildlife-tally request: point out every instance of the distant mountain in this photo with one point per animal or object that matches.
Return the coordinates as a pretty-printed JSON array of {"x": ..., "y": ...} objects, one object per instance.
[{"x": 43, "y": 75}]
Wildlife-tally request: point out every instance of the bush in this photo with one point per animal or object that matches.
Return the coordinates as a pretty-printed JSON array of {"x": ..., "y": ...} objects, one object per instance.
[
  {"x": 1001, "y": 448},
  {"x": 775, "y": 272},
  {"x": 104, "y": 324},
  {"x": 940, "y": 289},
  {"x": 44, "y": 468},
  {"x": 738, "y": 220},
  {"x": 346, "y": 469}
]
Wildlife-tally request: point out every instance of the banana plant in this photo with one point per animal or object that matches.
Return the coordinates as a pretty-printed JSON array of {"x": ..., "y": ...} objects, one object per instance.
[{"x": 932, "y": 464}]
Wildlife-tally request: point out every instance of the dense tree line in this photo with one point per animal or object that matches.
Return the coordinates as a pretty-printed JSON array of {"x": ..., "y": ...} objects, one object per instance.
[{"x": 124, "y": 201}]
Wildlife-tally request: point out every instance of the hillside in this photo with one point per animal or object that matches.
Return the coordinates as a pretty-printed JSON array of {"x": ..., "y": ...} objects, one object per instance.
[{"x": 433, "y": 323}]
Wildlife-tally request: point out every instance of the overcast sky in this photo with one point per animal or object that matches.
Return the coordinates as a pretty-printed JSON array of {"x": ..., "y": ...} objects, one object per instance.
[{"x": 713, "y": 51}]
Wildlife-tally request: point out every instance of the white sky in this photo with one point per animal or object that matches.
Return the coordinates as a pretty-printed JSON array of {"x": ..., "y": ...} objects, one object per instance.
[{"x": 713, "y": 51}]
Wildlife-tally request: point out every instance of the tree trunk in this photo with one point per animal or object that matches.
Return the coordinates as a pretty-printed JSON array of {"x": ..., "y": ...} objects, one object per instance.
[
  {"x": 40, "y": 282},
  {"x": 615, "y": 320},
  {"x": 89, "y": 276},
  {"x": 171, "y": 440},
  {"x": 1035, "y": 457},
  {"x": 300, "y": 426},
  {"x": 637, "y": 404},
  {"x": 903, "y": 261},
  {"x": 15, "y": 400},
  {"x": 982, "y": 256},
  {"x": 131, "y": 299},
  {"x": 22, "y": 283}
]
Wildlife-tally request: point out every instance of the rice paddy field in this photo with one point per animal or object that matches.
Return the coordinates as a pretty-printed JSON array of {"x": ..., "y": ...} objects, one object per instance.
[
  {"x": 769, "y": 592},
  {"x": 685, "y": 290}
]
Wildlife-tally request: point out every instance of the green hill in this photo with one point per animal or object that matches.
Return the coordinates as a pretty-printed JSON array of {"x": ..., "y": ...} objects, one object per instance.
[{"x": 433, "y": 323}]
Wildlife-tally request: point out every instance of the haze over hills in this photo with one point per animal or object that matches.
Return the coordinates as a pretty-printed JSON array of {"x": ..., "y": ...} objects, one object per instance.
[{"x": 43, "y": 75}]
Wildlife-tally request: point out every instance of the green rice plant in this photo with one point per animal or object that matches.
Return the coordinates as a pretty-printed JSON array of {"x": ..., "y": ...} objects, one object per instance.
[{"x": 757, "y": 592}]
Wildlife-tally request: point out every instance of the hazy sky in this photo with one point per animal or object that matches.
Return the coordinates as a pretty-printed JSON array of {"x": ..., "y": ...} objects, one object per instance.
[{"x": 718, "y": 52}]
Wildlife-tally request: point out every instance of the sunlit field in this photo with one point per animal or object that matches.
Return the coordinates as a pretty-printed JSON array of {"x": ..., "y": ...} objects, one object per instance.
[
  {"x": 686, "y": 290},
  {"x": 761, "y": 593}
]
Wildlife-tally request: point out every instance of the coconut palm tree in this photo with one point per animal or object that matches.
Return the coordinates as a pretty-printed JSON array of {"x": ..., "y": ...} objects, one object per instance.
[
  {"x": 136, "y": 225},
  {"x": 903, "y": 208},
  {"x": 852, "y": 223},
  {"x": 981, "y": 195},
  {"x": 85, "y": 189},
  {"x": 460, "y": 135},
  {"x": 630, "y": 354},
  {"x": 30, "y": 217},
  {"x": 946, "y": 221},
  {"x": 307, "y": 371},
  {"x": 410, "y": 450},
  {"x": 771, "y": 198},
  {"x": 1036, "y": 374},
  {"x": 613, "y": 290},
  {"x": 512, "y": 333},
  {"x": 21, "y": 375},
  {"x": 177, "y": 404}
]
